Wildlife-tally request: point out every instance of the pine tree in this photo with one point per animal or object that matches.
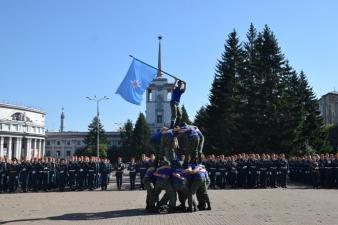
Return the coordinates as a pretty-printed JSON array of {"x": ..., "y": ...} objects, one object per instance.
[
  {"x": 141, "y": 136},
  {"x": 316, "y": 137},
  {"x": 127, "y": 140},
  {"x": 221, "y": 130},
  {"x": 185, "y": 116},
  {"x": 91, "y": 140}
]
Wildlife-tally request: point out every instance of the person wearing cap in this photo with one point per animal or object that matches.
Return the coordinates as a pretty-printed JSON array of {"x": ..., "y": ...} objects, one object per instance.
[{"x": 177, "y": 90}]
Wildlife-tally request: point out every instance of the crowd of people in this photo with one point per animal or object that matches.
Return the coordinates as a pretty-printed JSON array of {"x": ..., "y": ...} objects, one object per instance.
[
  {"x": 78, "y": 173},
  {"x": 319, "y": 171}
]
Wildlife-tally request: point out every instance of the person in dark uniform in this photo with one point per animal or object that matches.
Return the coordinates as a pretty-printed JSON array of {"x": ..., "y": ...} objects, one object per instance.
[
  {"x": 33, "y": 176},
  {"x": 45, "y": 174},
  {"x": 284, "y": 167},
  {"x": 104, "y": 171},
  {"x": 91, "y": 171},
  {"x": 221, "y": 169},
  {"x": 273, "y": 170},
  {"x": 252, "y": 171},
  {"x": 13, "y": 172},
  {"x": 24, "y": 172},
  {"x": 142, "y": 167},
  {"x": 39, "y": 168},
  {"x": 314, "y": 168},
  {"x": 132, "y": 173},
  {"x": 263, "y": 170},
  {"x": 232, "y": 174},
  {"x": 52, "y": 173},
  {"x": 72, "y": 168},
  {"x": 335, "y": 165},
  {"x": 119, "y": 172},
  {"x": 81, "y": 172},
  {"x": 211, "y": 168},
  {"x": 3, "y": 174},
  {"x": 62, "y": 174}
]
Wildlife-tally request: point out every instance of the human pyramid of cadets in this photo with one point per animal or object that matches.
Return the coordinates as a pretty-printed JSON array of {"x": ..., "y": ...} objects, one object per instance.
[{"x": 78, "y": 173}]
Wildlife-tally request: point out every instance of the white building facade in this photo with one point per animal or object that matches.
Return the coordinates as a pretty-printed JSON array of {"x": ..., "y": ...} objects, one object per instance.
[
  {"x": 64, "y": 144},
  {"x": 22, "y": 132}
]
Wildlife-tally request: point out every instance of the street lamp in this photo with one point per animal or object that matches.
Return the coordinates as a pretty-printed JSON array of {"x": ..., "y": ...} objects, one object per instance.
[{"x": 97, "y": 100}]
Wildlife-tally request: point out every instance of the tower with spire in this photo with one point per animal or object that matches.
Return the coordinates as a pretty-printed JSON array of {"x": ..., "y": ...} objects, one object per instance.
[
  {"x": 62, "y": 120},
  {"x": 158, "y": 98}
]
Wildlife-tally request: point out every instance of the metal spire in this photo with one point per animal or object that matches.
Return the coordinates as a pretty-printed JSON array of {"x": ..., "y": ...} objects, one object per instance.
[
  {"x": 62, "y": 120},
  {"x": 159, "y": 66}
]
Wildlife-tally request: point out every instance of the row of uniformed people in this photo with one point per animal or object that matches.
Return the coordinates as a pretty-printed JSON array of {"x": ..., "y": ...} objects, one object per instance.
[
  {"x": 176, "y": 178},
  {"x": 247, "y": 170},
  {"x": 320, "y": 171},
  {"x": 78, "y": 173}
]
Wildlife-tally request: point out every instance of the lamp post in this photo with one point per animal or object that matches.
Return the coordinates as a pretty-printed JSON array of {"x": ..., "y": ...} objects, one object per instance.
[{"x": 97, "y": 100}]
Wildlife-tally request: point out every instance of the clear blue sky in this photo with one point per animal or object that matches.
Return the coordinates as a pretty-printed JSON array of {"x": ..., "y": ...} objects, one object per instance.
[{"x": 55, "y": 53}]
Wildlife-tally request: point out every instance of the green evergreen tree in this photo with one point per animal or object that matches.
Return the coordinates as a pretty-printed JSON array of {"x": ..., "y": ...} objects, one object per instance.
[
  {"x": 141, "y": 136},
  {"x": 221, "y": 130},
  {"x": 127, "y": 140},
  {"x": 185, "y": 116},
  {"x": 91, "y": 140},
  {"x": 313, "y": 130}
]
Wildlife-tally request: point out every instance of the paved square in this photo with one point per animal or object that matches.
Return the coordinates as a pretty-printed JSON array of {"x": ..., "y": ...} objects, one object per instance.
[{"x": 271, "y": 206}]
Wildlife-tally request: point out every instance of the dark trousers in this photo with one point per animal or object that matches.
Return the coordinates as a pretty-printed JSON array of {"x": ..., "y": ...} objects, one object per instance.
[
  {"x": 141, "y": 177},
  {"x": 104, "y": 179},
  {"x": 23, "y": 181},
  {"x": 132, "y": 177},
  {"x": 119, "y": 180}
]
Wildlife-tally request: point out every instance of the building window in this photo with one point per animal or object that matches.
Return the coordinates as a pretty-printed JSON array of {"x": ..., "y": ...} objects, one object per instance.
[
  {"x": 58, "y": 153},
  {"x": 78, "y": 142},
  {"x": 48, "y": 142},
  {"x": 58, "y": 142},
  {"x": 159, "y": 119},
  {"x": 68, "y": 142},
  {"x": 68, "y": 153},
  {"x": 48, "y": 153},
  {"x": 150, "y": 95}
]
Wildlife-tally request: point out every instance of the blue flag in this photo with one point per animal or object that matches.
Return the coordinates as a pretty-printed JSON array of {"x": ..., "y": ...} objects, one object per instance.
[{"x": 136, "y": 81}]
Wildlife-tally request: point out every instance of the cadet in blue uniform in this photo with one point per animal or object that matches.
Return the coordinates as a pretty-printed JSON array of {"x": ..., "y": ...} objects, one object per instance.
[
  {"x": 176, "y": 114},
  {"x": 163, "y": 174},
  {"x": 24, "y": 170}
]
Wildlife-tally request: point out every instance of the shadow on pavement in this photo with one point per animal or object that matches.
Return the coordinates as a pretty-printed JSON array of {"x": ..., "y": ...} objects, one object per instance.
[{"x": 87, "y": 216}]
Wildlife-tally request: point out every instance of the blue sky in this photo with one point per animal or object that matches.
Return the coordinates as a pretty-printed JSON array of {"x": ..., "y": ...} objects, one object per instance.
[{"x": 55, "y": 53}]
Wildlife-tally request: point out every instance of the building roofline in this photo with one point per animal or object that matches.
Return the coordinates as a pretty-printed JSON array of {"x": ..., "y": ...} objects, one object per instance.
[{"x": 26, "y": 108}]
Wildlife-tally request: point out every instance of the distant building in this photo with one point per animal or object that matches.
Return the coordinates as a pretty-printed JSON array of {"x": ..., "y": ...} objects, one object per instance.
[
  {"x": 64, "y": 144},
  {"x": 158, "y": 111},
  {"x": 328, "y": 105},
  {"x": 22, "y": 132}
]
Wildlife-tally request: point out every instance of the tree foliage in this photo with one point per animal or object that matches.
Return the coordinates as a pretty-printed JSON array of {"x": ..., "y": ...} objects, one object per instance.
[{"x": 258, "y": 102}]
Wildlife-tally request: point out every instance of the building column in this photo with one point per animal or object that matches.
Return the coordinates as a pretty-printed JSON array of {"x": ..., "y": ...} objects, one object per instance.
[
  {"x": 29, "y": 149},
  {"x": 43, "y": 148},
  {"x": 17, "y": 148},
  {"x": 9, "y": 148},
  {"x": 40, "y": 150},
  {"x": 34, "y": 148},
  {"x": 1, "y": 146}
]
